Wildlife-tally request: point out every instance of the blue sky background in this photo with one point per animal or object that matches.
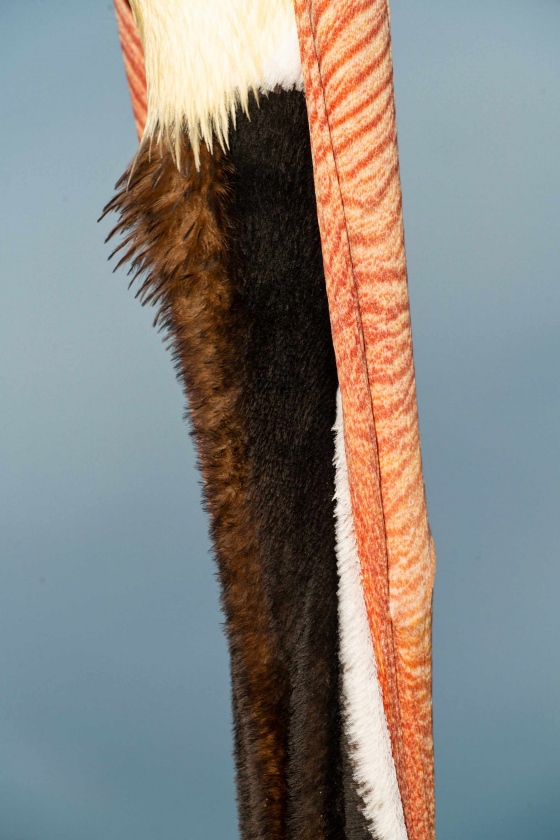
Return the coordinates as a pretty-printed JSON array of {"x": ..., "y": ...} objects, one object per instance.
[{"x": 114, "y": 693}]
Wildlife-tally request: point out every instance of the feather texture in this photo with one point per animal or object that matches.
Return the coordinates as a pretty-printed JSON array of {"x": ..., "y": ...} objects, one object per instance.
[
  {"x": 289, "y": 407},
  {"x": 203, "y": 58}
]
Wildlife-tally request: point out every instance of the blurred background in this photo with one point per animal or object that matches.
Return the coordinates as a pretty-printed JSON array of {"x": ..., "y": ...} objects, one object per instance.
[{"x": 114, "y": 691}]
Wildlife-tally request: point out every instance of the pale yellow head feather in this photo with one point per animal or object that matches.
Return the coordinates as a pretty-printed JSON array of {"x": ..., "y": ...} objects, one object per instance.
[{"x": 203, "y": 57}]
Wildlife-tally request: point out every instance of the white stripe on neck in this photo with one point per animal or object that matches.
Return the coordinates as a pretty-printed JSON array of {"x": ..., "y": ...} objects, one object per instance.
[{"x": 364, "y": 716}]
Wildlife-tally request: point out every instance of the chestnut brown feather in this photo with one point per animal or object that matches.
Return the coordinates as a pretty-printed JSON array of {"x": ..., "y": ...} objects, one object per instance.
[{"x": 175, "y": 232}]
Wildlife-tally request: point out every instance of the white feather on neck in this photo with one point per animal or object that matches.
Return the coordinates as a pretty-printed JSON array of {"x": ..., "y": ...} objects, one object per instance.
[
  {"x": 204, "y": 57},
  {"x": 363, "y": 712}
]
